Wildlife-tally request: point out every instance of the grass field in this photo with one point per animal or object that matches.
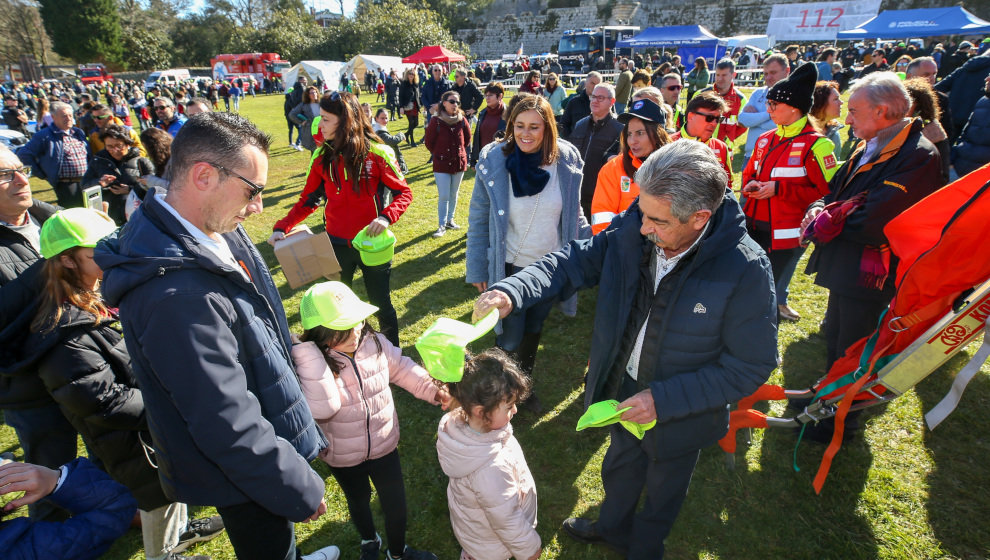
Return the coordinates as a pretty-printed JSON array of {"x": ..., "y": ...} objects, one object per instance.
[{"x": 897, "y": 492}]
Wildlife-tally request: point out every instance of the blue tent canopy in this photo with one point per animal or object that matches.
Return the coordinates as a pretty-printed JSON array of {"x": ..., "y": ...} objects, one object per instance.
[
  {"x": 673, "y": 36},
  {"x": 926, "y": 22}
]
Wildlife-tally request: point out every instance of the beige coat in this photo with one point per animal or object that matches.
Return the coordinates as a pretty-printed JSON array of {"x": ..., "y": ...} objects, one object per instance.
[{"x": 491, "y": 494}]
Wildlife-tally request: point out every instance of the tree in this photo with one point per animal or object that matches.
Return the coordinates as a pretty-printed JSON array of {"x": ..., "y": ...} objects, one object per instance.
[
  {"x": 83, "y": 30},
  {"x": 199, "y": 37},
  {"x": 390, "y": 28},
  {"x": 253, "y": 14},
  {"x": 292, "y": 34},
  {"x": 22, "y": 32},
  {"x": 146, "y": 50}
]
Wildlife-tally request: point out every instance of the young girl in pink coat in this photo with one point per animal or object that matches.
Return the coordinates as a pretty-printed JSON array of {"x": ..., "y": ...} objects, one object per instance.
[
  {"x": 491, "y": 495},
  {"x": 345, "y": 368}
]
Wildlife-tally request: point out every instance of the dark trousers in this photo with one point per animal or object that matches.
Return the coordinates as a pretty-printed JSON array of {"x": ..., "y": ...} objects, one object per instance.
[
  {"x": 847, "y": 320},
  {"x": 258, "y": 534},
  {"x": 376, "y": 283},
  {"x": 628, "y": 468},
  {"x": 521, "y": 330},
  {"x": 47, "y": 439},
  {"x": 293, "y": 127},
  {"x": 386, "y": 474},
  {"x": 783, "y": 263},
  {"x": 411, "y": 129},
  {"x": 69, "y": 195}
]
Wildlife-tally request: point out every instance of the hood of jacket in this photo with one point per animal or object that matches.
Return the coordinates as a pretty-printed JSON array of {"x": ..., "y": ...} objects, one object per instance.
[
  {"x": 35, "y": 345},
  {"x": 462, "y": 450}
]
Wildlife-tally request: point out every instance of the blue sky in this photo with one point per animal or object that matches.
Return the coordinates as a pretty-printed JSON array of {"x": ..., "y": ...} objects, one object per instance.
[{"x": 333, "y": 5}]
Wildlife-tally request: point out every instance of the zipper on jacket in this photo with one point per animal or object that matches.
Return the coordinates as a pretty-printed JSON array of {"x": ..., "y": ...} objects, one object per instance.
[{"x": 367, "y": 409}]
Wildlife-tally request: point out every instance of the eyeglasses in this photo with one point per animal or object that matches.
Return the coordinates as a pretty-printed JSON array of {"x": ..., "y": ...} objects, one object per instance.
[
  {"x": 254, "y": 188},
  {"x": 101, "y": 117},
  {"x": 454, "y": 101},
  {"x": 709, "y": 118},
  {"x": 674, "y": 88},
  {"x": 771, "y": 105},
  {"x": 600, "y": 98},
  {"x": 335, "y": 96},
  {"x": 161, "y": 107},
  {"x": 7, "y": 175}
]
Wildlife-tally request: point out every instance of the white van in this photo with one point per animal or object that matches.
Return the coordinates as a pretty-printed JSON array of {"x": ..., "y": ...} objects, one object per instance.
[{"x": 166, "y": 77}]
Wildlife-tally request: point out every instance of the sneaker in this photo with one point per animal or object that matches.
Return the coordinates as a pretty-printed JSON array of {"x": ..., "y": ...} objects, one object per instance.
[
  {"x": 174, "y": 556},
  {"x": 197, "y": 531},
  {"x": 452, "y": 225},
  {"x": 299, "y": 147},
  {"x": 371, "y": 549},
  {"x": 412, "y": 554},
  {"x": 439, "y": 232},
  {"x": 326, "y": 553}
]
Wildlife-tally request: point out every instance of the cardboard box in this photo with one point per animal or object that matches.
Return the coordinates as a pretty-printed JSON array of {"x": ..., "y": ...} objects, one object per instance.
[{"x": 306, "y": 257}]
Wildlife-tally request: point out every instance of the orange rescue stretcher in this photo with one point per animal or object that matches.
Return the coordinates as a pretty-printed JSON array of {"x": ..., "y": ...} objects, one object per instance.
[{"x": 942, "y": 304}]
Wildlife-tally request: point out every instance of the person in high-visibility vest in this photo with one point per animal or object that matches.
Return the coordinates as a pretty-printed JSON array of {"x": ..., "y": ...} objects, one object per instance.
[{"x": 790, "y": 168}]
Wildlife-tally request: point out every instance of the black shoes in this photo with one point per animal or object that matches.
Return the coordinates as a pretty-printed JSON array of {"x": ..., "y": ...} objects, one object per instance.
[
  {"x": 197, "y": 531},
  {"x": 586, "y": 531}
]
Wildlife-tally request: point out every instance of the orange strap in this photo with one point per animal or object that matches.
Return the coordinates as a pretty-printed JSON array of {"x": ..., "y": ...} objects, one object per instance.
[
  {"x": 741, "y": 419},
  {"x": 930, "y": 311}
]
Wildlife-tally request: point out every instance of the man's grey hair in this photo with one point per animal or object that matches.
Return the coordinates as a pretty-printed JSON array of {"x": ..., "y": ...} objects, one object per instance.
[
  {"x": 460, "y": 71},
  {"x": 779, "y": 58},
  {"x": 685, "y": 173},
  {"x": 671, "y": 76},
  {"x": 884, "y": 88},
  {"x": 915, "y": 65},
  {"x": 59, "y": 106},
  {"x": 596, "y": 74},
  {"x": 163, "y": 99},
  {"x": 648, "y": 92},
  {"x": 436, "y": 67},
  {"x": 609, "y": 87},
  {"x": 726, "y": 64}
]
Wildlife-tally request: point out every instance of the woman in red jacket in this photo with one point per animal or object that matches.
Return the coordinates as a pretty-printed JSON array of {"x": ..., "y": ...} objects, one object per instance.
[
  {"x": 356, "y": 173},
  {"x": 448, "y": 138}
]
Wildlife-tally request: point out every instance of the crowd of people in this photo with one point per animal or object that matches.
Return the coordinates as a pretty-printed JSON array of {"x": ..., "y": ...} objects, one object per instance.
[{"x": 156, "y": 331}]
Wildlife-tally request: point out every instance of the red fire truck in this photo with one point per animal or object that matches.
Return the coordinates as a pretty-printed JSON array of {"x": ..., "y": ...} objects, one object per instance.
[
  {"x": 94, "y": 73},
  {"x": 259, "y": 65}
]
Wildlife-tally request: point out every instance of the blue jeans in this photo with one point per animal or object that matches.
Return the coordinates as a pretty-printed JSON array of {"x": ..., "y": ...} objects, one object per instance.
[
  {"x": 447, "y": 185},
  {"x": 259, "y": 534},
  {"x": 528, "y": 321},
  {"x": 47, "y": 439}
]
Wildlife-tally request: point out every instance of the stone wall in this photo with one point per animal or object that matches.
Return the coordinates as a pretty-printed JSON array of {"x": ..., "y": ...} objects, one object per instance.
[{"x": 509, "y": 23}]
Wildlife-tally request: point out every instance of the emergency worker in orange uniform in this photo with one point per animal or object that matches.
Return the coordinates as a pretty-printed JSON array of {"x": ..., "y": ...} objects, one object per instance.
[
  {"x": 790, "y": 169},
  {"x": 643, "y": 134}
]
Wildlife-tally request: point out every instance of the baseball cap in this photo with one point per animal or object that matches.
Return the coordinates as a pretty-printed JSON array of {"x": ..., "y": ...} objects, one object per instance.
[
  {"x": 644, "y": 109},
  {"x": 375, "y": 250},
  {"x": 334, "y": 306},
  {"x": 442, "y": 346},
  {"x": 965, "y": 45},
  {"x": 74, "y": 227}
]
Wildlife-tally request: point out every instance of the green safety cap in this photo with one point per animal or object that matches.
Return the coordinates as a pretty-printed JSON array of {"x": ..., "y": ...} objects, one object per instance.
[
  {"x": 334, "y": 306},
  {"x": 442, "y": 346},
  {"x": 375, "y": 250},
  {"x": 74, "y": 227}
]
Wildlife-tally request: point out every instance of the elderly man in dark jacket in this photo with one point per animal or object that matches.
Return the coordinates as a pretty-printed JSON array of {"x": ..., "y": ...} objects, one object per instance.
[
  {"x": 578, "y": 105},
  {"x": 209, "y": 342},
  {"x": 46, "y": 437},
  {"x": 891, "y": 169},
  {"x": 685, "y": 325},
  {"x": 597, "y": 139}
]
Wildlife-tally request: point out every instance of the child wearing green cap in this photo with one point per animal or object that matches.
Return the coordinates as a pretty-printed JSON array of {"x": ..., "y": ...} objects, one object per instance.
[
  {"x": 345, "y": 368},
  {"x": 491, "y": 494}
]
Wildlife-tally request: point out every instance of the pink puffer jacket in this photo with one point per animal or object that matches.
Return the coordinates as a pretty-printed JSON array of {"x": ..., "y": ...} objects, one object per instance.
[
  {"x": 355, "y": 410},
  {"x": 491, "y": 494}
]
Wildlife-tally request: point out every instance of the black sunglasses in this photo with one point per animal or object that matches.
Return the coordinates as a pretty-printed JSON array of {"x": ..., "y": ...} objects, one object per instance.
[
  {"x": 255, "y": 189},
  {"x": 709, "y": 118},
  {"x": 161, "y": 107},
  {"x": 674, "y": 88},
  {"x": 454, "y": 101}
]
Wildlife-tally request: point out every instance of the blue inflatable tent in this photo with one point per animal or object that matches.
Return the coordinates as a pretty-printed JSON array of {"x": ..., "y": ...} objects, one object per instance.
[
  {"x": 926, "y": 22},
  {"x": 691, "y": 41}
]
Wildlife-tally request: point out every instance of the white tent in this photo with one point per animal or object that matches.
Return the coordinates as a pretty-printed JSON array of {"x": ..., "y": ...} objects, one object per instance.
[
  {"x": 329, "y": 70},
  {"x": 364, "y": 62}
]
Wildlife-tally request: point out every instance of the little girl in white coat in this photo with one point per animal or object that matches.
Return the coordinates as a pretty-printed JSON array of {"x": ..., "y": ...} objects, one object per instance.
[
  {"x": 491, "y": 494},
  {"x": 345, "y": 368}
]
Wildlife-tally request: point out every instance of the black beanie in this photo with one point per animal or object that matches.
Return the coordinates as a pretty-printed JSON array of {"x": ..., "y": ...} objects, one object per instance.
[{"x": 798, "y": 89}]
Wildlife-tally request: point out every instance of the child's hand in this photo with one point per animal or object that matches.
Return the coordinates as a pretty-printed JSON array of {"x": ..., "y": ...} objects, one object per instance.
[{"x": 444, "y": 398}]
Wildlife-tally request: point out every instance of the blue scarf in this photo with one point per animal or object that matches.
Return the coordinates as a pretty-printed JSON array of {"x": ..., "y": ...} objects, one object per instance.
[{"x": 528, "y": 178}]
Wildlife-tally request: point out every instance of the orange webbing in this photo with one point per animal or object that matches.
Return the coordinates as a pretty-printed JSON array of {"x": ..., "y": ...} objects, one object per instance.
[
  {"x": 764, "y": 393},
  {"x": 741, "y": 419}
]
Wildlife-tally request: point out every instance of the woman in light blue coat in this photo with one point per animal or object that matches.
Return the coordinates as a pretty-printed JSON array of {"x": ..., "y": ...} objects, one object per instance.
[
  {"x": 526, "y": 203},
  {"x": 555, "y": 94}
]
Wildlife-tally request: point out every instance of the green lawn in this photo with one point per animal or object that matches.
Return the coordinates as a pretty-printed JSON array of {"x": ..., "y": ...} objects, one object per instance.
[{"x": 897, "y": 492}]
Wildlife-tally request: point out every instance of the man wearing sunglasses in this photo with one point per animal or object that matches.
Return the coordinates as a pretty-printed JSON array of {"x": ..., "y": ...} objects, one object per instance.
[
  {"x": 703, "y": 115},
  {"x": 729, "y": 129},
  {"x": 167, "y": 119},
  {"x": 209, "y": 343},
  {"x": 754, "y": 115},
  {"x": 103, "y": 116},
  {"x": 670, "y": 89}
]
